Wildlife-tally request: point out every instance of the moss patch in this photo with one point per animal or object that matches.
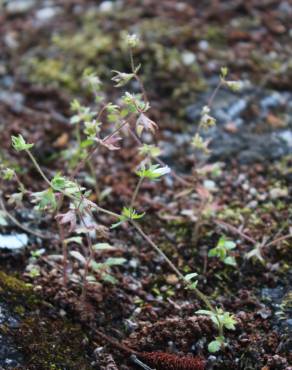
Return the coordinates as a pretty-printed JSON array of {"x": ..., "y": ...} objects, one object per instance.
[{"x": 46, "y": 340}]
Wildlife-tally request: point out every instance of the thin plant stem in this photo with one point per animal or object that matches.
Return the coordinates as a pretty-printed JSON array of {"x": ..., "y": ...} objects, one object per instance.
[
  {"x": 136, "y": 191},
  {"x": 88, "y": 260},
  {"x": 18, "y": 224},
  {"x": 199, "y": 294},
  {"x": 34, "y": 161},
  {"x": 93, "y": 175},
  {"x": 280, "y": 239},
  {"x": 137, "y": 77},
  {"x": 132, "y": 61},
  {"x": 65, "y": 252},
  {"x": 219, "y": 85},
  {"x": 225, "y": 225}
]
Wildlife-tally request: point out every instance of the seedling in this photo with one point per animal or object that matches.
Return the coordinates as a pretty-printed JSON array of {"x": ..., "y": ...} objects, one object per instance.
[
  {"x": 222, "y": 251},
  {"x": 222, "y": 320}
]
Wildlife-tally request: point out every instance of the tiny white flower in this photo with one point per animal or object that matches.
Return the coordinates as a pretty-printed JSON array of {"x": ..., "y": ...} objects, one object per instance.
[
  {"x": 205, "y": 110},
  {"x": 207, "y": 121},
  {"x": 132, "y": 40}
]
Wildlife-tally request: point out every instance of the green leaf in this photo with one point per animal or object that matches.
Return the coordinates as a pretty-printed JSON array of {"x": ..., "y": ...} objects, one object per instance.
[
  {"x": 46, "y": 199},
  {"x": 230, "y": 261},
  {"x": 115, "y": 261},
  {"x": 122, "y": 78},
  {"x": 228, "y": 321},
  {"x": 74, "y": 239},
  {"x": 102, "y": 246},
  {"x": 8, "y": 174},
  {"x": 109, "y": 279},
  {"x": 229, "y": 244},
  {"x": 190, "y": 276},
  {"x": 213, "y": 252},
  {"x": 60, "y": 183},
  {"x": 224, "y": 72},
  {"x": 77, "y": 255},
  {"x": 193, "y": 285},
  {"x": 204, "y": 312},
  {"x": 153, "y": 172},
  {"x": 214, "y": 346},
  {"x": 127, "y": 214},
  {"x": 96, "y": 266},
  {"x": 19, "y": 143}
]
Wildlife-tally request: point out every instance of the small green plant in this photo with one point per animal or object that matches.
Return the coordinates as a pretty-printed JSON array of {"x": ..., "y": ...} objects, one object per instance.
[
  {"x": 222, "y": 251},
  {"x": 130, "y": 114},
  {"x": 222, "y": 320},
  {"x": 127, "y": 215}
]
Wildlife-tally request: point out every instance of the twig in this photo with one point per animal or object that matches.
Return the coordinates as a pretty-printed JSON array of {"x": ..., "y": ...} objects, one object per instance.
[
  {"x": 275, "y": 241},
  {"x": 223, "y": 224}
]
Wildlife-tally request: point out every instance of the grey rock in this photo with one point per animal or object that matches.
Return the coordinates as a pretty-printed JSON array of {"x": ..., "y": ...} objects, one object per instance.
[
  {"x": 14, "y": 7},
  {"x": 13, "y": 242}
]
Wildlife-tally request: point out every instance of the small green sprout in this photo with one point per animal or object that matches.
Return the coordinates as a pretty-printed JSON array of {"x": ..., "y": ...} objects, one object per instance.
[
  {"x": 8, "y": 174},
  {"x": 84, "y": 114},
  {"x": 199, "y": 143},
  {"x": 33, "y": 271},
  {"x": 122, "y": 78},
  {"x": 90, "y": 78},
  {"x": 222, "y": 320},
  {"x": 45, "y": 200},
  {"x": 92, "y": 128},
  {"x": 104, "y": 268},
  {"x": 37, "y": 253},
  {"x": 222, "y": 250},
  {"x": 153, "y": 172},
  {"x": 20, "y": 144},
  {"x": 224, "y": 72},
  {"x": 127, "y": 215},
  {"x": 61, "y": 183},
  {"x": 75, "y": 105},
  {"x": 134, "y": 103},
  {"x": 234, "y": 85}
]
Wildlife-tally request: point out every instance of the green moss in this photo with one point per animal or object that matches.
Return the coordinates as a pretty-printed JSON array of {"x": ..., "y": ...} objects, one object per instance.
[
  {"x": 20, "y": 310},
  {"x": 60, "y": 345},
  {"x": 215, "y": 35},
  {"x": 13, "y": 285},
  {"x": 46, "y": 341},
  {"x": 95, "y": 45}
]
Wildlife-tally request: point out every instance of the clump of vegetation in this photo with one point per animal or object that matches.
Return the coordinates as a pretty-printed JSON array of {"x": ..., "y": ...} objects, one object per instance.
[
  {"x": 222, "y": 251},
  {"x": 70, "y": 204}
]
